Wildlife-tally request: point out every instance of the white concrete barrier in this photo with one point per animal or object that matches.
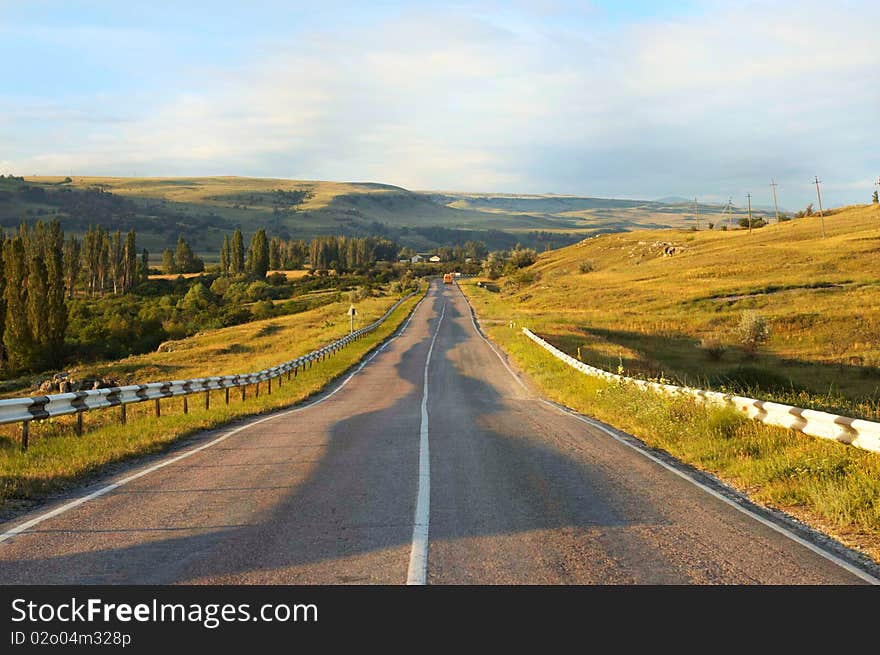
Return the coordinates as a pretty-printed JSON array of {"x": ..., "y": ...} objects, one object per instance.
[{"x": 855, "y": 432}]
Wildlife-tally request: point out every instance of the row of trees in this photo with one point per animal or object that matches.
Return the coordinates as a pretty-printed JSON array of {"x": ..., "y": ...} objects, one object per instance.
[
  {"x": 330, "y": 252},
  {"x": 183, "y": 260},
  {"x": 33, "y": 312},
  {"x": 233, "y": 260},
  {"x": 104, "y": 261},
  {"x": 348, "y": 253}
]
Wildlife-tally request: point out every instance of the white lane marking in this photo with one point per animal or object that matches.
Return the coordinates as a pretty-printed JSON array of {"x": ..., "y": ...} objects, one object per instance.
[
  {"x": 115, "y": 485},
  {"x": 864, "y": 575},
  {"x": 497, "y": 354},
  {"x": 417, "y": 573}
]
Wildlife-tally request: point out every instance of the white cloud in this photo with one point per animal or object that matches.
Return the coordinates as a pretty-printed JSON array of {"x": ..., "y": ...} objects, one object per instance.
[{"x": 710, "y": 103}]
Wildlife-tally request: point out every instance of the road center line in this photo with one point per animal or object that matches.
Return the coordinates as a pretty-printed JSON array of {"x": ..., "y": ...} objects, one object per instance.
[{"x": 418, "y": 556}]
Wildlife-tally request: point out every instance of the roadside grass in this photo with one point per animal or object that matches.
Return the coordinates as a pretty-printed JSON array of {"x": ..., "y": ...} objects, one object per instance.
[
  {"x": 625, "y": 302},
  {"x": 831, "y": 486},
  {"x": 57, "y": 458}
]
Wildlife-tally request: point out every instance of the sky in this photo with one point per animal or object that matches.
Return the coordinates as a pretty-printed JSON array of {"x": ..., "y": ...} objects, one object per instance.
[{"x": 610, "y": 99}]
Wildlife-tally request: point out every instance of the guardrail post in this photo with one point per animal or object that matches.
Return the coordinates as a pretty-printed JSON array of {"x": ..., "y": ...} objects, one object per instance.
[
  {"x": 79, "y": 424},
  {"x": 243, "y": 393},
  {"x": 295, "y": 371},
  {"x": 122, "y": 417},
  {"x": 269, "y": 385},
  {"x": 257, "y": 390},
  {"x": 185, "y": 405},
  {"x": 288, "y": 375},
  {"x": 227, "y": 395},
  {"x": 25, "y": 433},
  {"x": 158, "y": 410},
  {"x": 207, "y": 399}
]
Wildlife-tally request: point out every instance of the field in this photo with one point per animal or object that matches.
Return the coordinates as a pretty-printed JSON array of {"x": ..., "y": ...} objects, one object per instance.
[
  {"x": 640, "y": 311},
  {"x": 58, "y": 459},
  {"x": 625, "y": 303},
  {"x": 204, "y": 209}
]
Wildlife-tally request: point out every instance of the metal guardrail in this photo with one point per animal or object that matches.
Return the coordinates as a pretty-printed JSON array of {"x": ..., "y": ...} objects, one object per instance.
[
  {"x": 25, "y": 410},
  {"x": 844, "y": 429}
]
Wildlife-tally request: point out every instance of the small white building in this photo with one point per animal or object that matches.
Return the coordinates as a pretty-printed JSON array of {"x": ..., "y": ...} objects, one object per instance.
[
  {"x": 417, "y": 258},
  {"x": 435, "y": 259}
]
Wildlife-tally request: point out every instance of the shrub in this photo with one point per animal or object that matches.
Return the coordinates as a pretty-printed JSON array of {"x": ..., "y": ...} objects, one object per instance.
[
  {"x": 358, "y": 294},
  {"x": 713, "y": 347},
  {"x": 263, "y": 309},
  {"x": 756, "y": 222},
  {"x": 586, "y": 266},
  {"x": 752, "y": 330},
  {"x": 522, "y": 257},
  {"x": 220, "y": 286},
  {"x": 276, "y": 279},
  {"x": 198, "y": 297},
  {"x": 258, "y": 290}
]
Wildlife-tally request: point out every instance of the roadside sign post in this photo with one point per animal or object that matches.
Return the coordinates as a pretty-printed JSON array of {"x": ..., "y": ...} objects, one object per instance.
[{"x": 351, "y": 314}]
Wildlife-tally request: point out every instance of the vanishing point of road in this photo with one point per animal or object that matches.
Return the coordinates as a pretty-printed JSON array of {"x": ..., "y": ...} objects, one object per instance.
[{"x": 432, "y": 463}]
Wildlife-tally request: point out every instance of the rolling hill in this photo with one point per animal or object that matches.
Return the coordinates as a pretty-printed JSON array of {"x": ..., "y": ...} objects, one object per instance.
[
  {"x": 203, "y": 209},
  {"x": 651, "y": 301}
]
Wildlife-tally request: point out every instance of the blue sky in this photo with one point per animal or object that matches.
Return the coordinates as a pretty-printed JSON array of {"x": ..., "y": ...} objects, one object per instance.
[{"x": 626, "y": 99}]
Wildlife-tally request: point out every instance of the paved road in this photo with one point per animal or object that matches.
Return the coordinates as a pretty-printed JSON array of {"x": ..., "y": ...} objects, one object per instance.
[{"x": 512, "y": 491}]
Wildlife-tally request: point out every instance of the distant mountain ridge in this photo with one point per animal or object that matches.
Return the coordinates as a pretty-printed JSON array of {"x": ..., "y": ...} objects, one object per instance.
[{"x": 204, "y": 209}]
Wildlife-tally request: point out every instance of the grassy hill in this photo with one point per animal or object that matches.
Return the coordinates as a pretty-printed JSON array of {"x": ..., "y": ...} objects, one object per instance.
[
  {"x": 646, "y": 300},
  {"x": 622, "y": 300},
  {"x": 203, "y": 209}
]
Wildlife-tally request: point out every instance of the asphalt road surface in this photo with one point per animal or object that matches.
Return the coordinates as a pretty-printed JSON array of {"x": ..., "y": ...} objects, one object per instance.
[{"x": 433, "y": 463}]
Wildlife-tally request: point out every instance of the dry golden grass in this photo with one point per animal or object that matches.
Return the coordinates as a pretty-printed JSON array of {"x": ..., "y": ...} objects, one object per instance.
[
  {"x": 831, "y": 486},
  {"x": 648, "y": 312}
]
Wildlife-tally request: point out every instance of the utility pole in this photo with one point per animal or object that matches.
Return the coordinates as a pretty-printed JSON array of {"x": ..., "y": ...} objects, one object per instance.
[
  {"x": 696, "y": 213},
  {"x": 773, "y": 186},
  {"x": 749, "y": 198},
  {"x": 821, "y": 213},
  {"x": 729, "y": 210}
]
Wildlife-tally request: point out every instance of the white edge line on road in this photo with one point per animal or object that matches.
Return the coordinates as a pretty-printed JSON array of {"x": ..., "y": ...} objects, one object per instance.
[
  {"x": 864, "y": 575},
  {"x": 489, "y": 343},
  {"x": 417, "y": 574},
  {"x": 856, "y": 571},
  {"x": 115, "y": 485}
]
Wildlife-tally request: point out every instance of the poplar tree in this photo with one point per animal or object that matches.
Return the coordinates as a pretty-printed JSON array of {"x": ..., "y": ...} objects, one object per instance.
[
  {"x": 72, "y": 258},
  {"x": 130, "y": 263},
  {"x": 16, "y": 333},
  {"x": 145, "y": 265},
  {"x": 184, "y": 258},
  {"x": 236, "y": 264},
  {"x": 224, "y": 256},
  {"x": 168, "y": 265},
  {"x": 56, "y": 307},
  {"x": 258, "y": 254},
  {"x": 115, "y": 258},
  {"x": 2, "y": 301}
]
